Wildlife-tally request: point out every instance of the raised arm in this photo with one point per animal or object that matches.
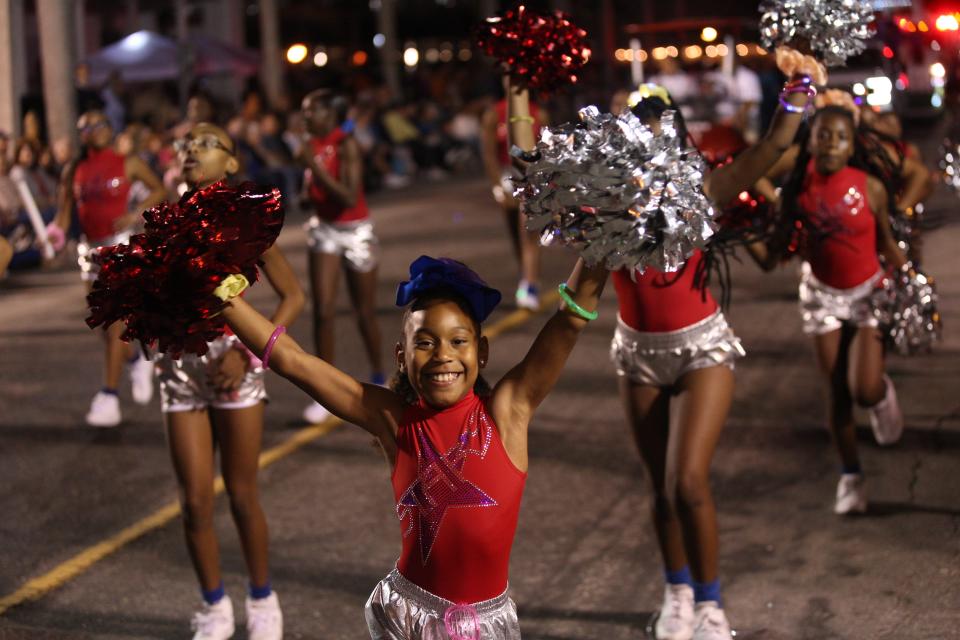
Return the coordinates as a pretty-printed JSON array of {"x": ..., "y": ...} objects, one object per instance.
[
  {"x": 368, "y": 406},
  {"x": 525, "y": 386}
]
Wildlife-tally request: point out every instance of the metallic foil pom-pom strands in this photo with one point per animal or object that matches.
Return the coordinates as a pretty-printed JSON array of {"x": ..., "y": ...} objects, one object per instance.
[
  {"x": 618, "y": 192},
  {"x": 835, "y": 29},
  {"x": 906, "y": 307},
  {"x": 538, "y": 51}
]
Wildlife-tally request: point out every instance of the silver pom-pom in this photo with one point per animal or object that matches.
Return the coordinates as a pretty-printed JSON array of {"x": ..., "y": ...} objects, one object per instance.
[
  {"x": 950, "y": 164},
  {"x": 619, "y": 193},
  {"x": 906, "y": 307},
  {"x": 835, "y": 29}
]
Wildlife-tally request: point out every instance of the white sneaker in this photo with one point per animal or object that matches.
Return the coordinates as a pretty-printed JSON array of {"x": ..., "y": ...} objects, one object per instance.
[
  {"x": 675, "y": 621},
  {"x": 141, "y": 379},
  {"x": 315, "y": 413},
  {"x": 214, "y": 621},
  {"x": 264, "y": 618},
  {"x": 851, "y": 495},
  {"x": 104, "y": 410},
  {"x": 711, "y": 622},
  {"x": 885, "y": 416},
  {"x": 527, "y": 296}
]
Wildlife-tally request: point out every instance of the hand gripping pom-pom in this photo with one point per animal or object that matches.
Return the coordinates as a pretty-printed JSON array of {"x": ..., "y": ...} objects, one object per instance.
[
  {"x": 538, "y": 51},
  {"x": 619, "y": 193},
  {"x": 906, "y": 307},
  {"x": 161, "y": 284},
  {"x": 834, "y": 29}
]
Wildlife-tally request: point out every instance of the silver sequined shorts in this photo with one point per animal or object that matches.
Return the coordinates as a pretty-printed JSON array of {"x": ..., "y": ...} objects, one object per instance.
[
  {"x": 185, "y": 385},
  {"x": 355, "y": 241},
  {"x": 86, "y": 250},
  {"x": 400, "y": 610},
  {"x": 825, "y": 309},
  {"x": 660, "y": 358}
]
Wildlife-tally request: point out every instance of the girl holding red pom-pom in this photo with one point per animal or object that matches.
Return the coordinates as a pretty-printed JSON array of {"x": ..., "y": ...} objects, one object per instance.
[
  {"x": 218, "y": 400},
  {"x": 98, "y": 183},
  {"x": 340, "y": 233}
]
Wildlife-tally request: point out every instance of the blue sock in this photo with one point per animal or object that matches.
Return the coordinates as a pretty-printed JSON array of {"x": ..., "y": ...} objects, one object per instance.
[
  {"x": 705, "y": 591},
  {"x": 680, "y": 576},
  {"x": 214, "y": 595},
  {"x": 851, "y": 468},
  {"x": 378, "y": 379},
  {"x": 259, "y": 593},
  {"x": 109, "y": 391},
  {"x": 134, "y": 357}
]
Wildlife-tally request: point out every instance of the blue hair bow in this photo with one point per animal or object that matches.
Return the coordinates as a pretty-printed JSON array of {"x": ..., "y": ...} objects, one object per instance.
[{"x": 432, "y": 274}]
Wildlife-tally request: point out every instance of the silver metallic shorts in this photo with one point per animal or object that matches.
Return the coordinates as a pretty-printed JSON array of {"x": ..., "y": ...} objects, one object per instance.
[
  {"x": 825, "y": 309},
  {"x": 185, "y": 383},
  {"x": 355, "y": 241},
  {"x": 400, "y": 610},
  {"x": 86, "y": 250},
  {"x": 660, "y": 358}
]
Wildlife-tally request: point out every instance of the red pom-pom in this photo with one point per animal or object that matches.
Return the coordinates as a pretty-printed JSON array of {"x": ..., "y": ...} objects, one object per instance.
[
  {"x": 539, "y": 51},
  {"x": 161, "y": 283}
]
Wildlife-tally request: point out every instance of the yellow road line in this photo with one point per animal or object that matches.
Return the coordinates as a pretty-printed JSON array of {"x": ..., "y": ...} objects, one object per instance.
[{"x": 36, "y": 588}]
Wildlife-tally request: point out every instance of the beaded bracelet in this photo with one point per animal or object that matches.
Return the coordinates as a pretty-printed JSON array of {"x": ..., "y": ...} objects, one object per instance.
[
  {"x": 280, "y": 330},
  {"x": 573, "y": 306}
]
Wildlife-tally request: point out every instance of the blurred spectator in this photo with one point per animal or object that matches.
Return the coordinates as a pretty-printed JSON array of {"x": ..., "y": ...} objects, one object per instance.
[
  {"x": 42, "y": 186},
  {"x": 681, "y": 85},
  {"x": 113, "y": 107},
  {"x": 738, "y": 99}
]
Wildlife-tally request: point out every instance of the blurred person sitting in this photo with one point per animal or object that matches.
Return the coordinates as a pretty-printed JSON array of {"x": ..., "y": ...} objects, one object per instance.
[
  {"x": 680, "y": 84},
  {"x": 738, "y": 97},
  {"x": 401, "y": 132}
]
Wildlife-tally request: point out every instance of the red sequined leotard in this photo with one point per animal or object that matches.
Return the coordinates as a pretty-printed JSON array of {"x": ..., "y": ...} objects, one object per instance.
[
  {"x": 100, "y": 188},
  {"x": 326, "y": 152},
  {"x": 458, "y": 497}
]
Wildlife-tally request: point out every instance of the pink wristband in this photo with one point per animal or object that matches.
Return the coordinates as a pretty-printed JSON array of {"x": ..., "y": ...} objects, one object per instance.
[{"x": 272, "y": 341}]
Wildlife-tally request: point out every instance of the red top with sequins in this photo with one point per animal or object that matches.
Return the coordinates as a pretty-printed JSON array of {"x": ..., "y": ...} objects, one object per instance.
[
  {"x": 503, "y": 150},
  {"x": 847, "y": 256},
  {"x": 655, "y": 301},
  {"x": 326, "y": 152},
  {"x": 458, "y": 497},
  {"x": 100, "y": 189}
]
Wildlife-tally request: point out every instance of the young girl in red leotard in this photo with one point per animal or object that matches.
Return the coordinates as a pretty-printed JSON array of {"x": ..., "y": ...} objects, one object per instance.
[
  {"x": 457, "y": 450},
  {"x": 838, "y": 187}
]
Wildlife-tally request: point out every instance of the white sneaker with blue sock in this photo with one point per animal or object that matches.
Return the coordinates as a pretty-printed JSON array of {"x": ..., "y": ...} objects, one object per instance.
[
  {"x": 710, "y": 622},
  {"x": 675, "y": 621},
  {"x": 214, "y": 621},
  {"x": 264, "y": 618}
]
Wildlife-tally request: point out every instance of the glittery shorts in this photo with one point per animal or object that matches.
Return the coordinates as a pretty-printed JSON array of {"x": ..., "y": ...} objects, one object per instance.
[
  {"x": 400, "y": 610},
  {"x": 86, "y": 250},
  {"x": 185, "y": 384},
  {"x": 660, "y": 358},
  {"x": 355, "y": 241},
  {"x": 825, "y": 309}
]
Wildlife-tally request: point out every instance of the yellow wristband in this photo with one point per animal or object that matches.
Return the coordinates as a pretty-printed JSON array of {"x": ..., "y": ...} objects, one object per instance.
[
  {"x": 231, "y": 286},
  {"x": 522, "y": 119}
]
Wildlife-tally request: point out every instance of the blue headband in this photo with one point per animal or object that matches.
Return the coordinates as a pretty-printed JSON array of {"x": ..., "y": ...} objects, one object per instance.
[{"x": 444, "y": 274}]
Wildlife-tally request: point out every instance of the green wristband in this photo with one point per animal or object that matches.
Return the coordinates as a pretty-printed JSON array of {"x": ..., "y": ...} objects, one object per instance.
[{"x": 573, "y": 306}]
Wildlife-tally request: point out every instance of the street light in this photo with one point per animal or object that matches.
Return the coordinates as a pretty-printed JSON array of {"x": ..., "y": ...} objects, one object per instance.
[
  {"x": 411, "y": 56},
  {"x": 297, "y": 53},
  {"x": 320, "y": 59},
  {"x": 709, "y": 34}
]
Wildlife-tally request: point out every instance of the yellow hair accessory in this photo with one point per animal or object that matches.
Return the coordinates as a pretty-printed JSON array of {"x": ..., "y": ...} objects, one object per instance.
[
  {"x": 651, "y": 90},
  {"x": 231, "y": 286}
]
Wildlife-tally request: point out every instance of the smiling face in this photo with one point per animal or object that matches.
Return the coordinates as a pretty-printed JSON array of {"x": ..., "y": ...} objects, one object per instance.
[
  {"x": 206, "y": 155},
  {"x": 831, "y": 142},
  {"x": 442, "y": 351}
]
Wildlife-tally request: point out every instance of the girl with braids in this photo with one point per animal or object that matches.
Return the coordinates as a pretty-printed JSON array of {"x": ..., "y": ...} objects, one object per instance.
[
  {"x": 457, "y": 450},
  {"x": 840, "y": 190},
  {"x": 674, "y": 353}
]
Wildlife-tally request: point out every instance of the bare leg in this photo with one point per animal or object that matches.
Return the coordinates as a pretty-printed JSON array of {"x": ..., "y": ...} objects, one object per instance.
[
  {"x": 324, "y": 278},
  {"x": 240, "y": 434},
  {"x": 832, "y": 351},
  {"x": 648, "y": 412},
  {"x": 865, "y": 377},
  {"x": 702, "y": 404},
  {"x": 190, "y": 439},
  {"x": 363, "y": 295}
]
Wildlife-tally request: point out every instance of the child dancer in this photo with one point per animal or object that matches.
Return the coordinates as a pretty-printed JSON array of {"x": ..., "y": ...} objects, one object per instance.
[
  {"x": 339, "y": 233},
  {"x": 217, "y": 400},
  {"x": 674, "y": 353},
  {"x": 99, "y": 184},
  {"x": 458, "y": 450},
  {"x": 837, "y": 185}
]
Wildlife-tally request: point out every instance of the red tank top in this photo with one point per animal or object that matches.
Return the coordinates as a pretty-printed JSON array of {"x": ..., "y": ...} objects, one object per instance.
[
  {"x": 503, "y": 150},
  {"x": 458, "y": 498},
  {"x": 847, "y": 256},
  {"x": 660, "y": 302},
  {"x": 326, "y": 152},
  {"x": 100, "y": 189}
]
